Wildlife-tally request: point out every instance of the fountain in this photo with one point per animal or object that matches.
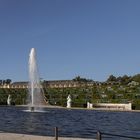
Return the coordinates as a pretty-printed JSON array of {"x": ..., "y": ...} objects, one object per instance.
[{"x": 36, "y": 97}]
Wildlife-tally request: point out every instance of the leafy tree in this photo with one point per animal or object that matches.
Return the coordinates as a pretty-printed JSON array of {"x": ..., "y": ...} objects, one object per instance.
[
  {"x": 79, "y": 79},
  {"x": 3, "y": 82},
  {"x": 136, "y": 78},
  {"x": 112, "y": 78},
  {"x": 125, "y": 79},
  {"x": 8, "y": 81},
  {"x": 0, "y": 82}
]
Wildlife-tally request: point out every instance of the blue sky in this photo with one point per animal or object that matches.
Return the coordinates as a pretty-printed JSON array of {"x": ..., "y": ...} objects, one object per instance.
[{"x": 90, "y": 38}]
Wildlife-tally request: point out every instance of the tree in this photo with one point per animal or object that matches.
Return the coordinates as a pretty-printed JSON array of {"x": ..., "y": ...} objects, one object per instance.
[
  {"x": 79, "y": 79},
  {"x": 0, "y": 82},
  {"x": 136, "y": 78},
  {"x": 3, "y": 82},
  {"x": 111, "y": 78},
  {"x": 125, "y": 79},
  {"x": 8, "y": 81}
]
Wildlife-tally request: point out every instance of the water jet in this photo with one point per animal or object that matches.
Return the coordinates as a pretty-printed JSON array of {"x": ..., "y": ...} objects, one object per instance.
[{"x": 36, "y": 96}]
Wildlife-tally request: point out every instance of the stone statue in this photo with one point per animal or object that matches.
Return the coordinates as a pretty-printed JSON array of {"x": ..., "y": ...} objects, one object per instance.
[
  {"x": 9, "y": 100},
  {"x": 69, "y": 101}
]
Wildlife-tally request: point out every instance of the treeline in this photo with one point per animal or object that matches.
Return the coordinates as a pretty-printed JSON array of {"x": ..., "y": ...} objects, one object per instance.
[
  {"x": 80, "y": 79},
  {"x": 124, "y": 79}
]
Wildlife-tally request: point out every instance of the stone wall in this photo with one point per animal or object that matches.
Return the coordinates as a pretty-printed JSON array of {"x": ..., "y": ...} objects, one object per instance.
[{"x": 127, "y": 106}]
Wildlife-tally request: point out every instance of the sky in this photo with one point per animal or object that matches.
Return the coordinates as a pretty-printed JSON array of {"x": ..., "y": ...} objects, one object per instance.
[{"x": 89, "y": 38}]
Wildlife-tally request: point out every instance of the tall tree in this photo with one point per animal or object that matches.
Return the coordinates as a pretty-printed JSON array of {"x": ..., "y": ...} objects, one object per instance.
[
  {"x": 111, "y": 78},
  {"x": 8, "y": 81}
]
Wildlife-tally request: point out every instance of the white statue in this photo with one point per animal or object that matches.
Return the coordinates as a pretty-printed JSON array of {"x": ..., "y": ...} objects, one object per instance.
[
  {"x": 9, "y": 100},
  {"x": 89, "y": 105},
  {"x": 69, "y": 101}
]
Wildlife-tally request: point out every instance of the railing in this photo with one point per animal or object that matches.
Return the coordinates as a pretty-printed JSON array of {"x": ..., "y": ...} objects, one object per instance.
[
  {"x": 99, "y": 135},
  {"x": 56, "y": 133}
]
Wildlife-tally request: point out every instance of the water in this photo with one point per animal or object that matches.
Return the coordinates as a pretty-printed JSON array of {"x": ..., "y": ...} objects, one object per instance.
[
  {"x": 73, "y": 123},
  {"x": 35, "y": 99}
]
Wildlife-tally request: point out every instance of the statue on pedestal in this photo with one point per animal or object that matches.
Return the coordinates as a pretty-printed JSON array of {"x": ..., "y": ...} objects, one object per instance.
[
  {"x": 9, "y": 100},
  {"x": 69, "y": 101}
]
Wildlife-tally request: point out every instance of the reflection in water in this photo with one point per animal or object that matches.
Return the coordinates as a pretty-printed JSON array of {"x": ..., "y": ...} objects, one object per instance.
[{"x": 30, "y": 123}]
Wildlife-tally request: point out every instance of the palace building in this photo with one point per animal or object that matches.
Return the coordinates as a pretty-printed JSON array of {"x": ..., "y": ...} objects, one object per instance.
[{"x": 51, "y": 84}]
